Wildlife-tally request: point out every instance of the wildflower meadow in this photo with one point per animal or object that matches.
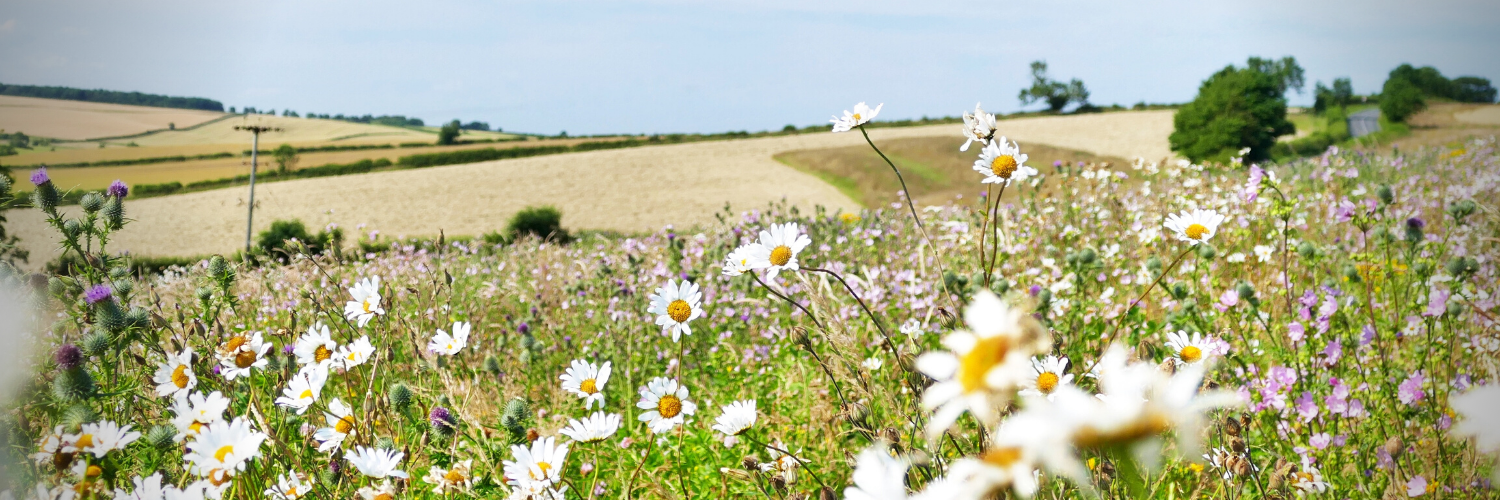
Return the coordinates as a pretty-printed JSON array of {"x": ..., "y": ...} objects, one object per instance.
[{"x": 1319, "y": 328}]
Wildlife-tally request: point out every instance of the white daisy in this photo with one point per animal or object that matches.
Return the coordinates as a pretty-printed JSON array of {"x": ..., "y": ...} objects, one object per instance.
[
  {"x": 785, "y": 241},
  {"x": 175, "y": 375},
  {"x": 746, "y": 258},
  {"x": 737, "y": 417},
  {"x": 51, "y": 445},
  {"x": 241, "y": 354},
  {"x": 1046, "y": 375},
  {"x": 341, "y": 425},
  {"x": 448, "y": 345},
  {"x": 100, "y": 438},
  {"x": 540, "y": 466},
  {"x": 316, "y": 347},
  {"x": 377, "y": 463},
  {"x": 1308, "y": 480},
  {"x": 877, "y": 476},
  {"x": 675, "y": 305},
  {"x": 1138, "y": 401},
  {"x": 862, "y": 114},
  {"x": 979, "y": 126},
  {"x": 303, "y": 390},
  {"x": 223, "y": 448},
  {"x": 1196, "y": 226},
  {"x": 1480, "y": 412},
  {"x": 195, "y": 411},
  {"x": 666, "y": 403},
  {"x": 997, "y": 468},
  {"x": 383, "y": 491},
  {"x": 1264, "y": 253},
  {"x": 456, "y": 478},
  {"x": 1190, "y": 349},
  {"x": 151, "y": 488},
  {"x": 366, "y": 303},
  {"x": 289, "y": 486},
  {"x": 596, "y": 427},
  {"x": 873, "y": 363},
  {"x": 981, "y": 367},
  {"x": 781, "y": 463},
  {"x": 586, "y": 380},
  {"x": 1002, "y": 163},
  {"x": 356, "y": 353}
]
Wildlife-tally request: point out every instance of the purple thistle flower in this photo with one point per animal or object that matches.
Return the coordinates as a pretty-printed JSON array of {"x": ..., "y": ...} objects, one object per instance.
[
  {"x": 523, "y": 329},
  {"x": 440, "y": 417},
  {"x": 97, "y": 294},
  {"x": 287, "y": 350},
  {"x": 68, "y": 357},
  {"x": 118, "y": 189},
  {"x": 1415, "y": 223},
  {"x": 39, "y": 176}
]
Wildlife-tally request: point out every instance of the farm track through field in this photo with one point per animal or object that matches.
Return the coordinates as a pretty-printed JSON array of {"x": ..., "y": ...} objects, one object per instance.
[{"x": 628, "y": 190}]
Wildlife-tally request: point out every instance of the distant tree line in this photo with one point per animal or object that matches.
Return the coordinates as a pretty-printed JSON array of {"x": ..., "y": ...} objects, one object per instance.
[
  {"x": 111, "y": 96},
  {"x": 1407, "y": 89}
]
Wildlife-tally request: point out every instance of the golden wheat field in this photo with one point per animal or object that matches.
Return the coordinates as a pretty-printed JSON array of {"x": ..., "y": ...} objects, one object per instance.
[
  {"x": 78, "y": 120},
  {"x": 628, "y": 190}
]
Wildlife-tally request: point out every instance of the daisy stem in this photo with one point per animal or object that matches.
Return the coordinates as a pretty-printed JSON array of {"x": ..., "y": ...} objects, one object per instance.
[
  {"x": 794, "y": 457},
  {"x": 873, "y": 318},
  {"x": 630, "y": 486},
  {"x": 788, "y": 299},
  {"x": 995, "y": 218},
  {"x": 1159, "y": 277},
  {"x": 911, "y": 206}
]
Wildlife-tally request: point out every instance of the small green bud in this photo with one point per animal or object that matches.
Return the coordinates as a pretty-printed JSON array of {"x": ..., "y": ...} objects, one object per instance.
[
  {"x": 77, "y": 415},
  {"x": 124, "y": 286},
  {"x": 1385, "y": 194},
  {"x": 1461, "y": 209},
  {"x": 4, "y": 186},
  {"x": 91, "y": 202},
  {"x": 138, "y": 317},
  {"x": 1351, "y": 273},
  {"x": 492, "y": 365},
  {"x": 1207, "y": 251},
  {"x": 96, "y": 343},
  {"x": 1422, "y": 268},
  {"x": 1179, "y": 291},
  {"x": 72, "y": 385},
  {"x": 385, "y": 443},
  {"x": 1000, "y": 286},
  {"x": 71, "y": 228},
  {"x": 205, "y": 293},
  {"x": 1153, "y": 264},
  {"x": 114, "y": 214},
  {"x": 45, "y": 197},
  {"x": 57, "y": 288},
  {"x": 1071, "y": 259},
  {"x": 400, "y": 397},
  {"x": 1087, "y": 256},
  {"x": 517, "y": 409},
  {"x": 110, "y": 317},
  {"x": 526, "y": 357},
  {"x": 1246, "y": 291},
  {"x": 1307, "y": 250},
  {"x": 217, "y": 266},
  {"x": 1455, "y": 308},
  {"x": 1045, "y": 297},
  {"x": 161, "y": 436}
]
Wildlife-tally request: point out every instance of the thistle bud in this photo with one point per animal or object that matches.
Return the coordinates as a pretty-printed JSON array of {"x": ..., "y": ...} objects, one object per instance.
[
  {"x": 1455, "y": 308},
  {"x": 1461, "y": 209},
  {"x": 73, "y": 385},
  {"x": 492, "y": 365},
  {"x": 1414, "y": 232},
  {"x": 71, "y": 228},
  {"x": 1385, "y": 194},
  {"x": 57, "y": 287},
  {"x": 124, "y": 286},
  {"x": 1179, "y": 291},
  {"x": 95, "y": 343},
  {"x": 45, "y": 197},
  {"x": 217, "y": 266},
  {"x": 77, "y": 415},
  {"x": 1207, "y": 251},
  {"x": 516, "y": 409},
  {"x": 1000, "y": 286},
  {"x": 400, "y": 397},
  {"x": 1087, "y": 256},
  {"x": 161, "y": 436},
  {"x": 1153, "y": 264},
  {"x": 4, "y": 186},
  {"x": 1307, "y": 250},
  {"x": 525, "y": 357},
  {"x": 114, "y": 214},
  {"x": 1246, "y": 291},
  {"x": 442, "y": 421},
  {"x": 68, "y": 357},
  {"x": 385, "y": 443},
  {"x": 116, "y": 273},
  {"x": 204, "y": 293},
  {"x": 91, "y": 202},
  {"x": 110, "y": 317}
]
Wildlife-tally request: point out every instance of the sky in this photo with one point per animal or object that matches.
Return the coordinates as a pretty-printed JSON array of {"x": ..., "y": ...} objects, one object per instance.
[{"x": 661, "y": 66}]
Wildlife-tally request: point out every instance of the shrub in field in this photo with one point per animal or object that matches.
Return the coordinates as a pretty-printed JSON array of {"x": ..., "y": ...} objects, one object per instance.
[
  {"x": 1319, "y": 329},
  {"x": 448, "y": 134},
  {"x": 1235, "y": 108},
  {"x": 287, "y": 237},
  {"x": 1056, "y": 94},
  {"x": 1400, "y": 98},
  {"x": 286, "y": 158},
  {"x": 542, "y": 222}
]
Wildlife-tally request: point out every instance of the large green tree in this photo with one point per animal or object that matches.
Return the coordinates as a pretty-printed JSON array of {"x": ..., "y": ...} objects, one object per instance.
[
  {"x": 1056, "y": 94},
  {"x": 1236, "y": 108}
]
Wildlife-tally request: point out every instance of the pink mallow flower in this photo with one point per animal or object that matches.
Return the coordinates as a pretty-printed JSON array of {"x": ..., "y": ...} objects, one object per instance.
[
  {"x": 1416, "y": 487},
  {"x": 1410, "y": 391},
  {"x": 1437, "y": 302}
]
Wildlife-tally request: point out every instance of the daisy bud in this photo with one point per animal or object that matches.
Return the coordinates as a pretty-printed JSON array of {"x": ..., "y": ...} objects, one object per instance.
[
  {"x": 95, "y": 343},
  {"x": 750, "y": 463},
  {"x": 72, "y": 385},
  {"x": 400, "y": 397},
  {"x": 91, "y": 202},
  {"x": 68, "y": 357},
  {"x": 77, "y": 415},
  {"x": 160, "y": 436},
  {"x": 799, "y": 336}
]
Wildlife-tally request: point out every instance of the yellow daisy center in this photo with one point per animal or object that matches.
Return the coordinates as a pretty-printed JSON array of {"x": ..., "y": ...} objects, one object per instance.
[
  {"x": 1196, "y": 231},
  {"x": 454, "y": 476},
  {"x": 856, "y": 117},
  {"x": 669, "y": 406},
  {"x": 1191, "y": 354},
  {"x": 366, "y": 304},
  {"x": 541, "y": 466},
  {"x": 244, "y": 359},
  {"x": 1004, "y": 166},
  {"x": 306, "y": 394},
  {"x": 679, "y": 310},
  {"x": 384, "y": 496},
  {"x": 84, "y": 441},
  {"x": 1304, "y": 477},
  {"x": 589, "y": 386},
  {"x": 344, "y": 425},
  {"x": 322, "y": 354},
  {"x": 235, "y": 343},
  {"x": 1046, "y": 382},
  {"x": 781, "y": 255},
  {"x": 223, "y": 452},
  {"x": 1002, "y": 457},
  {"x": 180, "y": 376},
  {"x": 196, "y": 427},
  {"x": 974, "y": 365},
  {"x": 92, "y": 472}
]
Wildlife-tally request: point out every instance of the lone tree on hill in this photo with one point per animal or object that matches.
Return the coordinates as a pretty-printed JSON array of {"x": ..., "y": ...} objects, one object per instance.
[
  {"x": 449, "y": 133},
  {"x": 286, "y": 158},
  {"x": 1324, "y": 98},
  {"x": 1056, "y": 94},
  {"x": 1237, "y": 108}
]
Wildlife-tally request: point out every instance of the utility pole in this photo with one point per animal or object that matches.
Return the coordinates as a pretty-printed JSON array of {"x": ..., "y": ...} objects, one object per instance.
[{"x": 254, "y": 151}]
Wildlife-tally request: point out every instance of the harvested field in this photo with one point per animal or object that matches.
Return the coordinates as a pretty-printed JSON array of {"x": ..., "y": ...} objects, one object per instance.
[
  {"x": 78, "y": 120},
  {"x": 629, "y": 190},
  {"x": 297, "y": 131},
  {"x": 1484, "y": 115}
]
